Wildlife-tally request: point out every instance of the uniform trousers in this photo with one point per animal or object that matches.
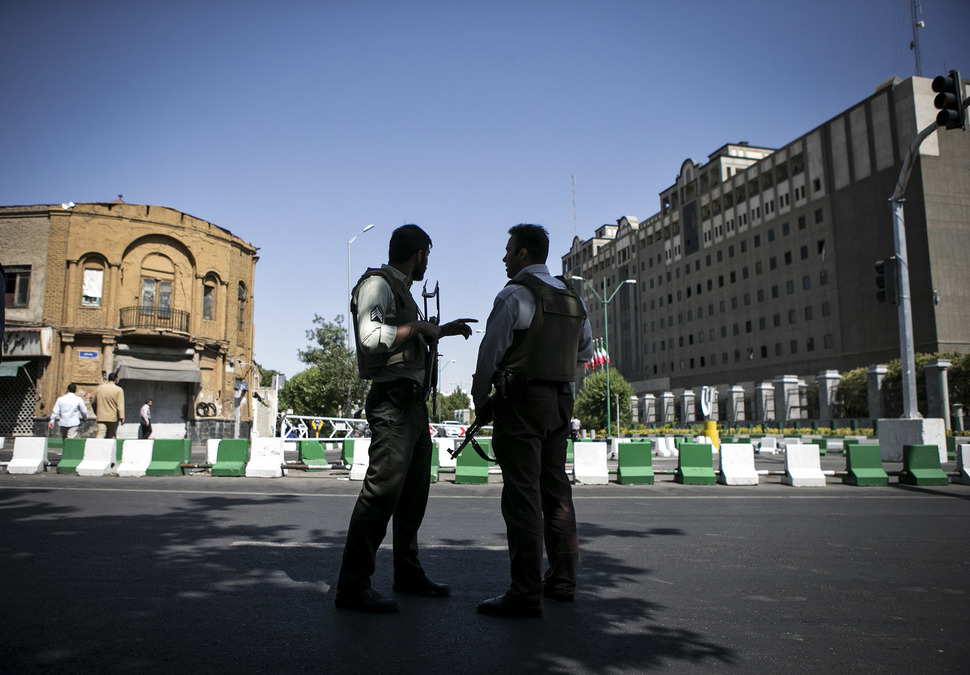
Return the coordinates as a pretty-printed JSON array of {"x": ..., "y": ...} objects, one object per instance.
[
  {"x": 396, "y": 484},
  {"x": 529, "y": 441}
]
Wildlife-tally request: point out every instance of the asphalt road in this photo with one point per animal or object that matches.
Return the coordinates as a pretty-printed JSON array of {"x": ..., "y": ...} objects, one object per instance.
[{"x": 202, "y": 574}]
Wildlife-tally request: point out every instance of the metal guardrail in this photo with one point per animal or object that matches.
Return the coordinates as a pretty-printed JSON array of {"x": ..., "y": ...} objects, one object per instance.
[
  {"x": 146, "y": 316},
  {"x": 308, "y": 427}
]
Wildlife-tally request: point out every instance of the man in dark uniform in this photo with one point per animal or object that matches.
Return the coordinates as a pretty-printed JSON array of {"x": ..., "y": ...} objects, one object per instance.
[
  {"x": 392, "y": 350},
  {"x": 536, "y": 336}
]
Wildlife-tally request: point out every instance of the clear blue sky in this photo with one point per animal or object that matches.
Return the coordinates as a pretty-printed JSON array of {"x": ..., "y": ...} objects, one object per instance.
[{"x": 296, "y": 124}]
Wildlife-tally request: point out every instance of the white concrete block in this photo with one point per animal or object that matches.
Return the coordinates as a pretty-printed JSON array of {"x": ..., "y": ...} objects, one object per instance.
[
  {"x": 361, "y": 459},
  {"x": 963, "y": 464},
  {"x": 737, "y": 464},
  {"x": 803, "y": 466},
  {"x": 211, "y": 450},
  {"x": 265, "y": 458},
  {"x": 445, "y": 448},
  {"x": 99, "y": 457},
  {"x": 895, "y": 433},
  {"x": 589, "y": 463},
  {"x": 136, "y": 455},
  {"x": 29, "y": 455},
  {"x": 768, "y": 445}
]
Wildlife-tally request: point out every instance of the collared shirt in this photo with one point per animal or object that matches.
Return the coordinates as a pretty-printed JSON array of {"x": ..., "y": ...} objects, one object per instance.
[
  {"x": 376, "y": 314},
  {"x": 71, "y": 409},
  {"x": 146, "y": 414},
  {"x": 513, "y": 309}
]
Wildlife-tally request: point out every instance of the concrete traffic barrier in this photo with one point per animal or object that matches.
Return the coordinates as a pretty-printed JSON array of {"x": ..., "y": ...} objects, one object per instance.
[
  {"x": 963, "y": 464},
  {"x": 736, "y": 464},
  {"x": 136, "y": 456},
  {"x": 265, "y": 458},
  {"x": 444, "y": 448},
  {"x": 863, "y": 464},
  {"x": 768, "y": 445},
  {"x": 470, "y": 469},
  {"x": 231, "y": 457},
  {"x": 635, "y": 460},
  {"x": 361, "y": 458},
  {"x": 99, "y": 457},
  {"x": 803, "y": 466},
  {"x": 211, "y": 450},
  {"x": 695, "y": 465},
  {"x": 313, "y": 454},
  {"x": 921, "y": 466},
  {"x": 29, "y": 455},
  {"x": 71, "y": 455},
  {"x": 589, "y": 463},
  {"x": 168, "y": 456}
]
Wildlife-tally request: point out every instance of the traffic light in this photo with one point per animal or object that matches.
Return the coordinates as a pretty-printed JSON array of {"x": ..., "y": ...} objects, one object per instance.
[
  {"x": 887, "y": 280},
  {"x": 949, "y": 101}
]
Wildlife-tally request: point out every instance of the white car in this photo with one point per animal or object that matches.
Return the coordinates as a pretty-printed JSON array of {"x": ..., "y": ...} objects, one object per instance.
[{"x": 451, "y": 430}]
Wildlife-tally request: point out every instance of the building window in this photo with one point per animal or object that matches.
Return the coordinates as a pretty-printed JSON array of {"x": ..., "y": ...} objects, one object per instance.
[
  {"x": 208, "y": 299},
  {"x": 810, "y": 344},
  {"x": 92, "y": 287},
  {"x": 827, "y": 340},
  {"x": 242, "y": 306},
  {"x": 794, "y": 346},
  {"x": 788, "y": 257},
  {"x": 808, "y": 313},
  {"x": 826, "y": 309},
  {"x": 803, "y": 252},
  {"x": 18, "y": 286},
  {"x": 791, "y": 316},
  {"x": 806, "y": 282},
  {"x": 776, "y": 320},
  {"x": 818, "y": 216},
  {"x": 823, "y": 278},
  {"x": 764, "y": 351},
  {"x": 790, "y": 286}
]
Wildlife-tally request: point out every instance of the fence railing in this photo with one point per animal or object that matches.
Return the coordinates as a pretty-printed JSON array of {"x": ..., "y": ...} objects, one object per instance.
[{"x": 146, "y": 316}]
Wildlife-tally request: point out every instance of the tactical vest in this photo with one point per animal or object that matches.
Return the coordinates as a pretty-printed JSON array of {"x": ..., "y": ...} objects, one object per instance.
[
  {"x": 408, "y": 357},
  {"x": 548, "y": 348}
]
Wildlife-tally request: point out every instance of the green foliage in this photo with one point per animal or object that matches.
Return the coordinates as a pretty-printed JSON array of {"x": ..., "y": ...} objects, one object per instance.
[
  {"x": 323, "y": 388},
  {"x": 266, "y": 376},
  {"x": 590, "y": 405},
  {"x": 853, "y": 389},
  {"x": 449, "y": 403}
]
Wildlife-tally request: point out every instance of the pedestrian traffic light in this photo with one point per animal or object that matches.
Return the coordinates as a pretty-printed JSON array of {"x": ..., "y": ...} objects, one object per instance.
[
  {"x": 949, "y": 101},
  {"x": 887, "y": 280}
]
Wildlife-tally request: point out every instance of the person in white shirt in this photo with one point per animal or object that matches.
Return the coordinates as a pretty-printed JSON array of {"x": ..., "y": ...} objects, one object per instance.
[
  {"x": 145, "y": 420},
  {"x": 70, "y": 410}
]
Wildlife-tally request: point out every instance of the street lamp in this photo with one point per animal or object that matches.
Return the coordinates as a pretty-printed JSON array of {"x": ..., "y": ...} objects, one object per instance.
[
  {"x": 349, "y": 291},
  {"x": 606, "y": 340}
]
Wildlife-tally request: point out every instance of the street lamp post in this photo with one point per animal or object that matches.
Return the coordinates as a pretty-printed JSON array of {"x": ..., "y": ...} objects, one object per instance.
[
  {"x": 606, "y": 341},
  {"x": 349, "y": 291}
]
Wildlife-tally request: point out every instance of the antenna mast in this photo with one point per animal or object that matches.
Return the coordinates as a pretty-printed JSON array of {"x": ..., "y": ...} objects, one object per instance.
[{"x": 915, "y": 9}]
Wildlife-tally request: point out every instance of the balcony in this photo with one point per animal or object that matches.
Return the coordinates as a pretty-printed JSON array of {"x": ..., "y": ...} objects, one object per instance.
[{"x": 154, "y": 318}]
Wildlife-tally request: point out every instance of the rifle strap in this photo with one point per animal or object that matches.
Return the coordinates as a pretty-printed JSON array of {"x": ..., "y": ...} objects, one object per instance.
[{"x": 482, "y": 453}]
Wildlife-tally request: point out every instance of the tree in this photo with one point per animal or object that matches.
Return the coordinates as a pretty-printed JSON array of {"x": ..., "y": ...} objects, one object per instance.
[
  {"x": 590, "y": 405},
  {"x": 449, "y": 403},
  {"x": 324, "y": 387},
  {"x": 266, "y": 376}
]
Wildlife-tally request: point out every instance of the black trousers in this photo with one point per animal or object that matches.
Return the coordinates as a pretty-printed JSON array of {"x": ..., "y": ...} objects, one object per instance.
[
  {"x": 396, "y": 485},
  {"x": 529, "y": 441}
]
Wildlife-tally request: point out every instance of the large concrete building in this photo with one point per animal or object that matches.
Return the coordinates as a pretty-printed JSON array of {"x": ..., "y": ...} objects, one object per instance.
[
  {"x": 158, "y": 296},
  {"x": 760, "y": 262}
]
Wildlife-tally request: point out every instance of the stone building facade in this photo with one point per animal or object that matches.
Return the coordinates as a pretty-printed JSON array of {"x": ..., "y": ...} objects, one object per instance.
[
  {"x": 760, "y": 261},
  {"x": 160, "y": 297}
]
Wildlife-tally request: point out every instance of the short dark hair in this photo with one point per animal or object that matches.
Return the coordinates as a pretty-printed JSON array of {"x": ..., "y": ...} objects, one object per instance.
[
  {"x": 405, "y": 242},
  {"x": 533, "y": 238},
  {"x": 72, "y": 387},
  {"x": 112, "y": 377}
]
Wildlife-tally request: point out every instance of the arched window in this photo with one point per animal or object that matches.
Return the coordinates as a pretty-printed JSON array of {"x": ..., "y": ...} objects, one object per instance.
[
  {"x": 210, "y": 287},
  {"x": 157, "y": 275},
  {"x": 242, "y": 307},
  {"x": 92, "y": 284}
]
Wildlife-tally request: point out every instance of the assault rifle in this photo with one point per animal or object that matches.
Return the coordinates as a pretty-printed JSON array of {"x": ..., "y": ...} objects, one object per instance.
[{"x": 482, "y": 418}]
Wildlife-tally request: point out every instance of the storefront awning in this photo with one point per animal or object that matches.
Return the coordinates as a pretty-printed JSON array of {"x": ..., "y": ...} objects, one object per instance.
[
  {"x": 135, "y": 368},
  {"x": 10, "y": 368}
]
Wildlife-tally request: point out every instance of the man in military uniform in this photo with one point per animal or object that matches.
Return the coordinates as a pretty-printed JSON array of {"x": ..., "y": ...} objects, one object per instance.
[
  {"x": 536, "y": 337},
  {"x": 392, "y": 350}
]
